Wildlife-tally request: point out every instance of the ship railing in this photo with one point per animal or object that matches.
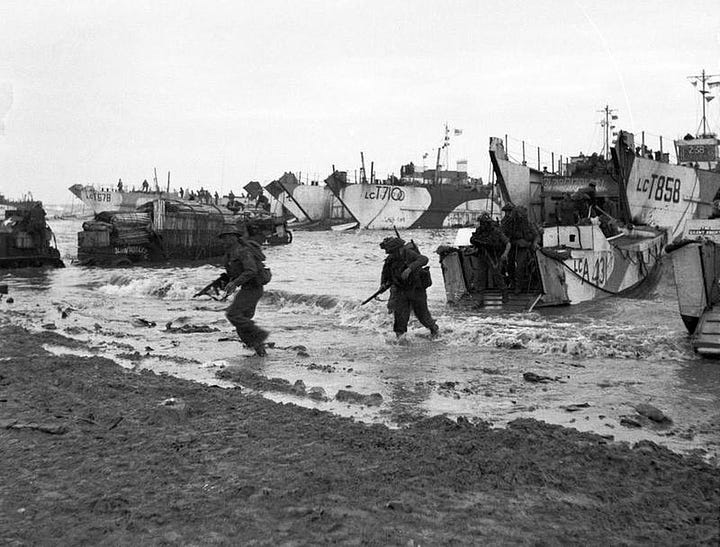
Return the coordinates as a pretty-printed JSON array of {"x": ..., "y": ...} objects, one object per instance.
[
  {"x": 535, "y": 157},
  {"x": 655, "y": 147}
]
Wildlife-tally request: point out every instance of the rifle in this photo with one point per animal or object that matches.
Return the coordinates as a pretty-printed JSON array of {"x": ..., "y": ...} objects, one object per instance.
[
  {"x": 397, "y": 234},
  {"x": 376, "y": 293},
  {"x": 214, "y": 285}
]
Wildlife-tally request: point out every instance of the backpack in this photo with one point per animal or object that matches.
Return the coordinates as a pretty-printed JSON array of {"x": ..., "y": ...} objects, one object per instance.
[
  {"x": 425, "y": 278},
  {"x": 265, "y": 276}
]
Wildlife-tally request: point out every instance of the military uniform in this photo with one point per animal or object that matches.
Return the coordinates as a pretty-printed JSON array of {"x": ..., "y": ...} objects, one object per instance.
[
  {"x": 244, "y": 265},
  {"x": 401, "y": 272},
  {"x": 523, "y": 237},
  {"x": 491, "y": 247}
]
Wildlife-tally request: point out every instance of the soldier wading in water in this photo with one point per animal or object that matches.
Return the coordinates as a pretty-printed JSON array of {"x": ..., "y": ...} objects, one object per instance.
[
  {"x": 244, "y": 264},
  {"x": 403, "y": 274}
]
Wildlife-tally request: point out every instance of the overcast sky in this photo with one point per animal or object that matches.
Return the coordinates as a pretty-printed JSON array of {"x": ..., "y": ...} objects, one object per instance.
[{"x": 221, "y": 93}]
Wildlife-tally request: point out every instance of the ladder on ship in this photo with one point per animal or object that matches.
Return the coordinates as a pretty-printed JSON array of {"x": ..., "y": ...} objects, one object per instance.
[{"x": 706, "y": 339}]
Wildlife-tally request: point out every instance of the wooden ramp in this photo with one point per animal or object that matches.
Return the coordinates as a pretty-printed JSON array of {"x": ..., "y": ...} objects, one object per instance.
[{"x": 706, "y": 340}]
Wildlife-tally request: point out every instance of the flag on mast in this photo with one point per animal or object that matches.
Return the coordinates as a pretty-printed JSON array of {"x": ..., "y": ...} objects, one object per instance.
[{"x": 458, "y": 132}]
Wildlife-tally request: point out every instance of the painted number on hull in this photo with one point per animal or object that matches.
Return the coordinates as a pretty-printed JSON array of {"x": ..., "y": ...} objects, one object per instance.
[
  {"x": 596, "y": 273},
  {"x": 385, "y": 193},
  {"x": 660, "y": 188},
  {"x": 99, "y": 196}
]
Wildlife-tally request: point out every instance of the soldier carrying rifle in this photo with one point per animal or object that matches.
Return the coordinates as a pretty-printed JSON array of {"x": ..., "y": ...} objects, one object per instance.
[
  {"x": 245, "y": 268},
  {"x": 404, "y": 274}
]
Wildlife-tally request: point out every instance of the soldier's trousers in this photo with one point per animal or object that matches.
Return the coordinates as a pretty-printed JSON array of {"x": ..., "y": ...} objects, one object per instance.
[
  {"x": 523, "y": 262},
  {"x": 414, "y": 300},
  {"x": 241, "y": 312}
]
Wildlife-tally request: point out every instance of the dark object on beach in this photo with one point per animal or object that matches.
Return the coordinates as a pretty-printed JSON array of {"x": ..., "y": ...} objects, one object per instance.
[
  {"x": 25, "y": 237},
  {"x": 538, "y": 379},
  {"x": 652, "y": 413},
  {"x": 188, "y": 329},
  {"x": 140, "y": 322},
  {"x": 629, "y": 422}
]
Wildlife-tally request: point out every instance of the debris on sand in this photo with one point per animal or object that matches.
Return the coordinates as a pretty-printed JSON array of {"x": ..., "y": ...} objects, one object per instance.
[
  {"x": 189, "y": 329},
  {"x": 538, "y": 379},
  {"x": 346, "y": 396},
  {"x": 652, "y": 413},
  {"x": 629, "y": 422},
  {"x": 575, "y": 407},
  {"x": 140, "y": 322}
]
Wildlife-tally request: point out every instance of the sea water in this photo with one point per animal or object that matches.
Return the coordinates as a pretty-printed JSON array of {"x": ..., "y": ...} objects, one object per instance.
[{"x": 602, "y": 358}]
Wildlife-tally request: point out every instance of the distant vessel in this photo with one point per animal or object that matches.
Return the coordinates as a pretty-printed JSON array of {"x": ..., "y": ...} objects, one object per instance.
[
  {"x": 589, "y": 249},
  {"x": 25, "y": 238},
  {"x": 100, "y": 199},
  {"x": 428, "y": 198},
  {"x": 313, "y": 204}
]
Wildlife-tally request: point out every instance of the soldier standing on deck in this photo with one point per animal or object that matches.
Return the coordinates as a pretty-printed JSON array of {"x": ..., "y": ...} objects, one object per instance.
[
  {"x": 244, "y": 264},
  {"x": 491, "y": 249},
  {"x": 401, "y": 273},
  {"x": 524, "y": 239}
]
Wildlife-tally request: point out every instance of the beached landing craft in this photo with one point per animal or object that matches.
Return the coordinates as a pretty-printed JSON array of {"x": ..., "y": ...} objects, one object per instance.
[
  {"x": 101, "y": 198},
  {"x": 25, "y": 237},
  {"x": 589, "y": 249},
  {"x": 696, "y": 255},
  {"x": 420, "y": 198},
  {"x": 171, "y": 229},
  {"x": 696, "y": 268},
  {"x": 313, "y": 205}
]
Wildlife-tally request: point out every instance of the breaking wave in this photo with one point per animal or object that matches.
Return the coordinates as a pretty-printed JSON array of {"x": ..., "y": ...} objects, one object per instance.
[
  {"x": 577, "y": 339},
  {"x": 324, "y": 301},
  {"x": 131, "y": 285}
]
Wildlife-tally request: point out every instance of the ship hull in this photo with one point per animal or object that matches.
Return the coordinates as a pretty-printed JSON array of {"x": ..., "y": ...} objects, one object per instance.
[
  {"x": 384, "y": 207},
  {"x": 308, "y": 202},
  {"x": 696, "y": 269},
  {"x": 575, "y": 264},
  {"x": 99, "y": 200},
  {"x": 665, "y": 195}
]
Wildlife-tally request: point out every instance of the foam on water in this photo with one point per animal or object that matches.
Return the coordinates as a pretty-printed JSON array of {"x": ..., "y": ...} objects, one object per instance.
[{"x": 607, "y": 352}]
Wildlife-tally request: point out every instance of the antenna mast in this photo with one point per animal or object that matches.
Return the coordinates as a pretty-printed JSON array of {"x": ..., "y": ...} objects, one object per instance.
[
  {"x": 607, "y": 124},
  {"x": 446, "y": 148},
  {"x": 704, "y": 80}
]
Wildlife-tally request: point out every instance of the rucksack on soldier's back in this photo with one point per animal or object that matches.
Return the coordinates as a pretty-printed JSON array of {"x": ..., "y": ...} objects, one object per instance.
[
  {"x": 265, "y": 275},
  {"x": 425, "y": 278}
]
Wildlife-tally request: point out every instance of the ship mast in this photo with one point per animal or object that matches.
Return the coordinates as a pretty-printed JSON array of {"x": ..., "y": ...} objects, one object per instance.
[
  {"x": 705, "y": 81},
  {"x": 606, "y": 124}
]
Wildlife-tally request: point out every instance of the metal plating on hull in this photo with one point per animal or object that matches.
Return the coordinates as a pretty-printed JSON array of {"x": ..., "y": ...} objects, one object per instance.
[{"x": 382, "y": 206}]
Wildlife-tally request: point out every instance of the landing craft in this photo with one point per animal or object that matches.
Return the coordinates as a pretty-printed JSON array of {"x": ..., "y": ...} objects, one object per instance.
[
  {"x": 589, "y": 248},
  {"x": 172, "y": 229},
  {"x": 25, "y": 238},
  {"x": 696, "y": 269},
  {"x": 312, "y": 204},
  {"x": 99, "y": 199},
  {"x": 419, "y": 198},
  {"x": 696, "y": 253}
]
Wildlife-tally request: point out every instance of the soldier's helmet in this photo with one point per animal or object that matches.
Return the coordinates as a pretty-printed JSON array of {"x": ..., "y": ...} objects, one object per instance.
[
  {"x": 508, "y": 207},
  {"x": 391, "y": 244}
]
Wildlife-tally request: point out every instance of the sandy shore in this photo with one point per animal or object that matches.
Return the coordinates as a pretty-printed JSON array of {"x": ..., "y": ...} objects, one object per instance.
[{"x": 92, "y": 453}]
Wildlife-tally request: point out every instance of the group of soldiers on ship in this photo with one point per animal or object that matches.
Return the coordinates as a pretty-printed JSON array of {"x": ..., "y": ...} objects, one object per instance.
[{"x": 502, "y": 253}]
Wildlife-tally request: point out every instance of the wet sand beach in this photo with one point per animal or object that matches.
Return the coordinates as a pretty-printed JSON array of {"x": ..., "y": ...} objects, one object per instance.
[{"x": 93, "y": 453}]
